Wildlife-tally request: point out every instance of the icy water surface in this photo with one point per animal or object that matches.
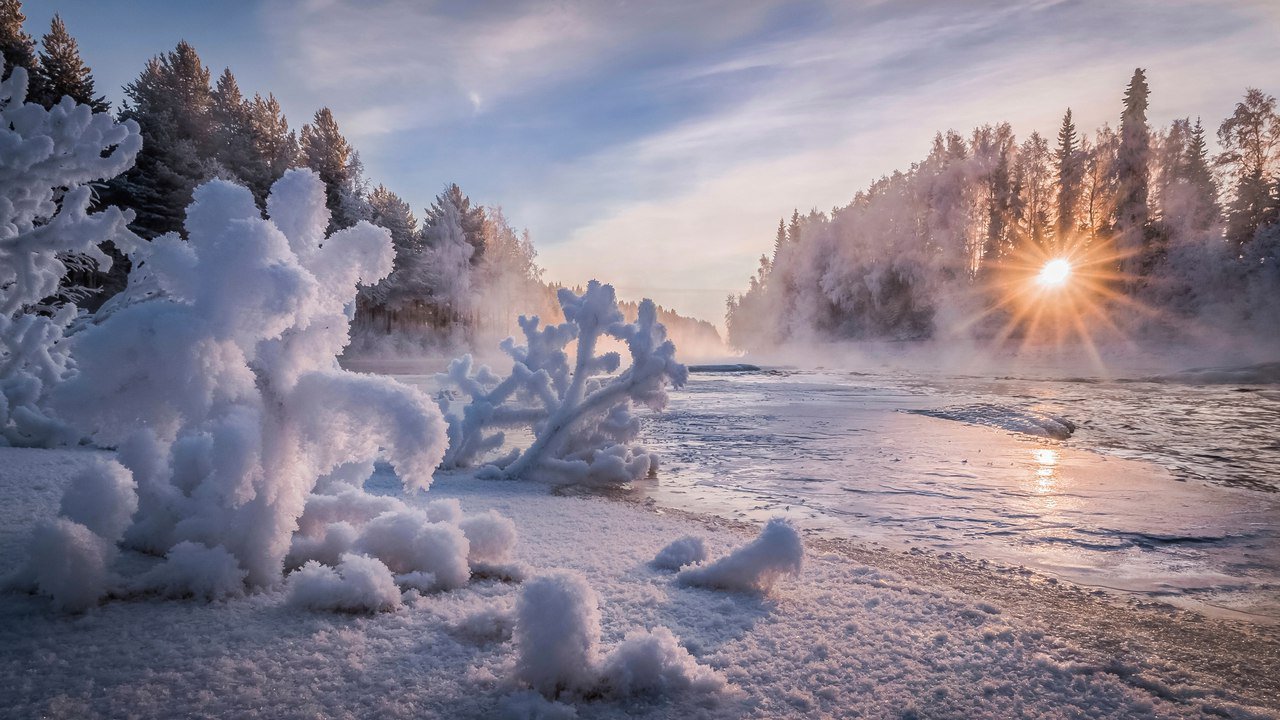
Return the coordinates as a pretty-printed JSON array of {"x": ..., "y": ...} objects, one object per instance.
[{"x": 1158, "y": 487}]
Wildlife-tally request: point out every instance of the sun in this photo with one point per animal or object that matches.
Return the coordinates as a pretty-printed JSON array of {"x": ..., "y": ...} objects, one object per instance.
[{"x": 1055, "y": 273}]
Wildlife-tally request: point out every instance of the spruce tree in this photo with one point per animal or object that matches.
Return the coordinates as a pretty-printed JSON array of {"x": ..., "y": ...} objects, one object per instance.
[
  {"x": 1070, "y": 176},
  {"x": 1132, "y": 173},
  {"x": 793, "y": 230},
  {"x": 470, "y": 218},
  {"x": 1200, "y": 176},
  {"x": 275, "y": 146},
  {"x": 231, "y": 142},
  {"x": 19, "y": 50},
  {"x": 65, "y": 74},
  {"x": 172, "y": 103},
  {"x": 780, "y": 240}
]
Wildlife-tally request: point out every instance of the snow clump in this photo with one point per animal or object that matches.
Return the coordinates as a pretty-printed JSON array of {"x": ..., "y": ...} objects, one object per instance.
[
  {"x": 557, "y": 632},
  {"x": 754, "y": 567},
  {"x": 360, "y": 584},
  {"x": 685, "y": 551}
]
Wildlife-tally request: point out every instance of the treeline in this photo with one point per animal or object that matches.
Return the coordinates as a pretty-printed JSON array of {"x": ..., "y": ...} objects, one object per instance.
[
  {"x": 1167, "y": 233},
  {"x": 460, "y": 270}
]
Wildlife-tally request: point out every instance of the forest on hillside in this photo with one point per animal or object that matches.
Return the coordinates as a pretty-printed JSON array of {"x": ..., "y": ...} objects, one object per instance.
[{"x": 1166, "y": 239}]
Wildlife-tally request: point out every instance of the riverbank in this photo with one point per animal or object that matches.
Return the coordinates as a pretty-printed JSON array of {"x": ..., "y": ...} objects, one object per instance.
[{"x": 864, "y": 632}]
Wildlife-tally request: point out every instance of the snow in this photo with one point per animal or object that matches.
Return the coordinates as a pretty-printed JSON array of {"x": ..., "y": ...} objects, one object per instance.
[
  {"x": 410, "y": 543},
  {"x": 875, "y": 633},
  {"x": 67, "y": 562},
  {"x": 685, "y": 551},
  {"x": 48, "y": 158},
  {"x": 1013, "y": 419},
  {"x": 249, "y": 413},
  {"x": 756, "y": 566},
  {"x": 358, "y": 584},
  {"x": 191, "y": 569},
  {"x": 582, "y": 419},
  {"x": 558, "y": 633},
  {"x": 654, "y": 663}
]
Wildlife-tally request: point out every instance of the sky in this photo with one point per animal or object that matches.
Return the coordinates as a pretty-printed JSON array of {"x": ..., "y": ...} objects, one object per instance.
[{"x": 655, "y": 145}]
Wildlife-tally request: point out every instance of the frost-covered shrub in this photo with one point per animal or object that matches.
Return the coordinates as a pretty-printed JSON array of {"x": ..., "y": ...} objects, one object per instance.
[
  {"x": 47, "y": 159},
  {"x": 756, "y": 566},
  {"x": 103, "y": 497},
  {"x": 653, "y": 662},
  {"x": 557, "y": 633},
  {"x": 358, "y": 584},
  {"x": 685, "y": 551},
  {"x": 215, "y": 375},
  {"x": 581, "y": 415}
]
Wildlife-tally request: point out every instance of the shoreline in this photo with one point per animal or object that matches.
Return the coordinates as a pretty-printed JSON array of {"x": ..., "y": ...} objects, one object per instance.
[{"x": 1211, "y": 651}]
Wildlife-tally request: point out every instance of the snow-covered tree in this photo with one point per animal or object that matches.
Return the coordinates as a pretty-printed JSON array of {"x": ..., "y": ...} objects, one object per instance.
[
  {"x": 47, "y": 160},
  {"x": 1069, "y": 178},
  {"x": 19, "y": 50},
  {"x": 65, "y": 73},
  {"x": 1133, "y": 174},
  {"x": 230, "y": 433},
  {"x": 325, "y": 150},
  {"x": 1250, "y": 140},
  {"x": 582, "y": 415},
  {"x": 470, "y": 218},
  {"x": 171, "y": 101}
]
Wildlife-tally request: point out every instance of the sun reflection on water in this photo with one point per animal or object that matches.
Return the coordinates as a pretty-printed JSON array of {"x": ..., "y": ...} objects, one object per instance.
[{"x": 1046, "y": 469}]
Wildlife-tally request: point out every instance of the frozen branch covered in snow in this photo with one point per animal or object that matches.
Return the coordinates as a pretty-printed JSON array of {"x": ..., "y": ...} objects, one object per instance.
[
  {"x": 217, "y": 381},
  {"x": 582, "y": 415},
  {"x": 47, "y": 159},
  {"x": 756, "y": 566}
]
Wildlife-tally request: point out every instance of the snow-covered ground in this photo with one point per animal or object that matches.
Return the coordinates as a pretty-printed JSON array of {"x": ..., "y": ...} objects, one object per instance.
[{"x": 863, "y": 632}]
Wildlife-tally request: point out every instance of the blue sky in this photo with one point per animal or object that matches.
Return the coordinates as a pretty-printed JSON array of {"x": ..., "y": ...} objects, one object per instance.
[{"x": 655, "y": 144}]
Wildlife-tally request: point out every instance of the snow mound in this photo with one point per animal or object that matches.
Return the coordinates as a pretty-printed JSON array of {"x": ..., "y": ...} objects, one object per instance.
[
  {"x": 491, "y": 537},
  {"x": 327, "y": 547},
  {"x": 192, "y": 569},
  {"x": 756, "y": 566},
  {"x": 685, "y": 551},
  {"x": 407, "y": 542},
  {"x": 359, "y": 584},
  {"x": 103, "y": 497},
  {"x": 558, "y": 633},
  {"x": 1019, "y": 420},
  {"x": 69, "y": 563},
  {"x": 491, "y": 623},
  {"x": 654, "y": 662}
]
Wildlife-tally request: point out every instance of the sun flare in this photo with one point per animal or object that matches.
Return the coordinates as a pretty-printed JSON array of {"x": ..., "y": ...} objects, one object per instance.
[{"x": 1055, "y": 273}]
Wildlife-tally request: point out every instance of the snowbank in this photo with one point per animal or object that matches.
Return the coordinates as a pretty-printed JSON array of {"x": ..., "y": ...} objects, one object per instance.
[
  {"x": 756, "y": 566},
  {"x": 557, "y": 633}
]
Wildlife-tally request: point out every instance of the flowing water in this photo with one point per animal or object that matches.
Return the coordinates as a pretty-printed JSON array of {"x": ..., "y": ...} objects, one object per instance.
[{"x": 1159, "y": 486}]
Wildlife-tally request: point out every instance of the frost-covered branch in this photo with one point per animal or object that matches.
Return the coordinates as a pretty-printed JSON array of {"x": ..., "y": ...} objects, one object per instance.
[
  {"x": 47, "y": 157},
  {"x": 582, "y": 418}
]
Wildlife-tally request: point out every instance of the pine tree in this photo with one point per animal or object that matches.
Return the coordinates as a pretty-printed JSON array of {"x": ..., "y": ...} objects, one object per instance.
[
  {"x": 470, "y": 218},
  {"x": 780, "y": 240},
  {"x": 1070, "y": 175},
  {"x": 65, "y": 74},
  {"x": 1250, "y": 141},
  {"x": 171, "y": 101},
  {"x": 1200, "y": 176},
  {"x": 19, "y": 50},
  {"x": 326, "y": 151},
  {"x": 1132, "y": 170}
]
